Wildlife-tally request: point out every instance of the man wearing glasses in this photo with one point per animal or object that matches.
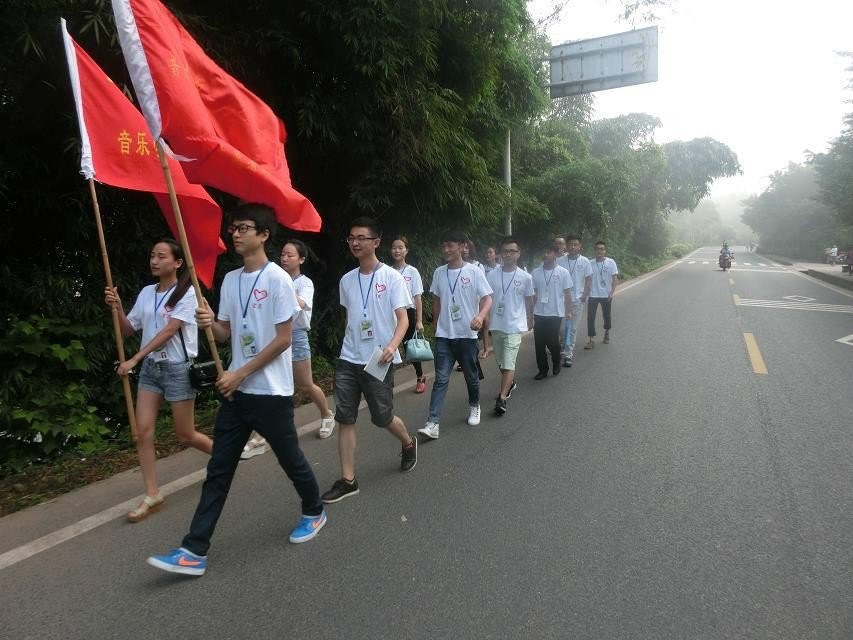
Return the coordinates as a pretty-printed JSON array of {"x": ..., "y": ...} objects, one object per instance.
[
  {"x": 511, "y": 316},
  {"x": 375, "y": 297},
  {"x": 257, "y": 304}
]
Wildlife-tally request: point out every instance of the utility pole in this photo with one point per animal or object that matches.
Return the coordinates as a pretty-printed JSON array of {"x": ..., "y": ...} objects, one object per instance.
[{"x": 508, "y": 181}]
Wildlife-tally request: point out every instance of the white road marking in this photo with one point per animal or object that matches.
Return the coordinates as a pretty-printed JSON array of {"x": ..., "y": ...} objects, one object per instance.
[
  {"x": 761, "y": 264},
  {"x": 823, "y": 283},
  {"x": 692, "y": 262},
  {"x": 848, "y": 340},
  {"x": 799, "y": 306},
  {"x": 747, "y": 264},
  {"x": 799, "y": 298},
  {"x": 706, "y": 262}
]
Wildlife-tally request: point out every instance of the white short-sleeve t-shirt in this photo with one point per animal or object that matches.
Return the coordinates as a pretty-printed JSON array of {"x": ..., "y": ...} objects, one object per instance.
[
  {"x": 509, "y": 307},
  {"x": 304, "y": 288},
  {"x": 254, "y": 303},
  {"x": 463, "y": 288},
  {"x": 371, "y": 298},
  {"x": 602, "y": 277},
  {"x": 580, "y": 269},
  {"x": 550, "y": 288},
  {"x": 414, "y": 283},
  {"x": 151, "y": 314}
]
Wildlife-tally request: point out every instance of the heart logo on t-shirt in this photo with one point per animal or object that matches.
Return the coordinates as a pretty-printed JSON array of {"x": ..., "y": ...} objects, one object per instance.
[
  {"x": 465, "y": 280},
  {"x": 380, "y": 288},
  {"x": 260, "y": 294}
]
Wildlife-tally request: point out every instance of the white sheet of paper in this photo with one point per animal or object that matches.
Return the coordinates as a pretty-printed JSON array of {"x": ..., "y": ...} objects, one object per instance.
[{"x": 378, "y": 371}]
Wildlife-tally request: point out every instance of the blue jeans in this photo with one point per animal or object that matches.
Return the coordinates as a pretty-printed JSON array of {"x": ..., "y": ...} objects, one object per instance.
[{"x": 448, "y": 351}]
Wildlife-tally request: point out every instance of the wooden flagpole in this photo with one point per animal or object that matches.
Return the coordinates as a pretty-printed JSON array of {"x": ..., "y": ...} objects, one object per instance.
[
  {"x": 185, "y": 245},
  {"x": 125, "y": 381}
]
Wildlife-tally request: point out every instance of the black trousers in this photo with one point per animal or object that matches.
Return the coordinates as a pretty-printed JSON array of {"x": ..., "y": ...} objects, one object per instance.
[
  {"x": 413, "y": 318},
  {"x": 590, "y": 314},
  {"x": 546, "y": 333},
  {"x": 270, "y": 416}
]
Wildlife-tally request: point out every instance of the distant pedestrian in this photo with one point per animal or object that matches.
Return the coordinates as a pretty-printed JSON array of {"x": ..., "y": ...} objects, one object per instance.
[
  {"x": 462, "y": 300},
  {"x": 375, "y": 297},
  {"x": 257, "y": 304},
  {"x": 580, "y": 269},
  {"x": 490, "y": 259},
  {"x": 412, "y": 277},
  {"x": 165, "y": 312},
  {"x": 553, "y": 285},
  {"x": 604, "y": 272},
  {"x": 850, "y": 261},
  {"x": 511, "y": 316},
  {"x": 833, "y": 254},
  {"x": 561, "y": 242},
  {"x": 293, "y": 256}
]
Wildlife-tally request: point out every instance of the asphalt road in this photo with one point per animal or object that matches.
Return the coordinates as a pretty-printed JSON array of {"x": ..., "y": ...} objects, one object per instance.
[{"x": 658, "y": 489}]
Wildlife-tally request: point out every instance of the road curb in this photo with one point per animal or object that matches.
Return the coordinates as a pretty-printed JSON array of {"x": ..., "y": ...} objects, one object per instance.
[{"x": 839, "y": 281}]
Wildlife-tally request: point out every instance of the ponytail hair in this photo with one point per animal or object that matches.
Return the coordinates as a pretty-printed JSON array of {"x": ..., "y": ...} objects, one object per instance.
[{"x": 183, "y": 284}]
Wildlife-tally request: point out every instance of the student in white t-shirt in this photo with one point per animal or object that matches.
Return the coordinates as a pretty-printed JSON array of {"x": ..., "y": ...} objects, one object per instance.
[
  {"x": 462, "y": 301},
  {"x": 257, "y": 305},
  {"x": 580, "y": 269},
  {"x": 399, "y": 251},
  {"x": 601, "y": 292},
  {"x": 166, "y": 314},
  {"x": 294, "y": 253},
  {"x": 375, "y": 297},
  {"x": 553, "y": 286},
  {"x": 511, "y": 315}
]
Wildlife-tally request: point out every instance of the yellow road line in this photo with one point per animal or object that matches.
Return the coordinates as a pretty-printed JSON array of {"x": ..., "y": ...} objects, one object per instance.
[
  {"x": 731, "y": 281},
  {"x": 755, "y": 358},
  {"x": 736, "y": 298}
]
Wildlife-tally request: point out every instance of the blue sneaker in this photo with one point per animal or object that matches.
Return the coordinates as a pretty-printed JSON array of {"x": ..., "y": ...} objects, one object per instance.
[
  {"x": 180, "y": 561},
  {"x": 307, "y": 528}
]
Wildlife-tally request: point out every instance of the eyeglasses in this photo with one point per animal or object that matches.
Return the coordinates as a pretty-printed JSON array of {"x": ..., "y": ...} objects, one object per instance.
[
  {"x": 359, "y": 239},
  {"x": 239, "y": 228}
]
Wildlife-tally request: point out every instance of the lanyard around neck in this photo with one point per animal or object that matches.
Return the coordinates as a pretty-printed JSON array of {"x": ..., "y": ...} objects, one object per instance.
[
  {"x": 158, "y": 303},
  {"x": 504, "y": 289},
  {"x": 453, "y": 288},
  {"x": 365, "y": 298},
  {"x": 248, "y": 297}
]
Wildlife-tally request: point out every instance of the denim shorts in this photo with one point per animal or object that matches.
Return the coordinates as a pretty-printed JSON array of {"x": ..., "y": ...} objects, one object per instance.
[
  {"x": 351, "y": 381},
  {"x": 169, "y": 379},
  {"x": 301, "y": 346}
]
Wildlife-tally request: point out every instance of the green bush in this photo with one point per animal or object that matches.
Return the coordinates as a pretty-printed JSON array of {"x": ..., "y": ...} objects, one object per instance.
[
  {"x": 679, "y": 250},
  {"x": 44, "y": 400}
]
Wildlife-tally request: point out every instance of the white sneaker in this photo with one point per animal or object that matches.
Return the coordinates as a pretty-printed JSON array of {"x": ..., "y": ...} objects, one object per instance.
[
  {"x": 254, "y": 448},
  {"x": 430, "y": 430},
  {"x": 327, "y": 427},
  {"x": 474, "y": 416}
]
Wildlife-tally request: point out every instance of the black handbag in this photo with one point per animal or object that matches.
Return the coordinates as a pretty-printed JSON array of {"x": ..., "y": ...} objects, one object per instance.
[{"x": 203, "y": 375}]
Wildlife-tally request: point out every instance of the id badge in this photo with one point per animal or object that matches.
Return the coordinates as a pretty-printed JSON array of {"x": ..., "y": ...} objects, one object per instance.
[
  {"x": 499, "y": 310},
  {"x": 367, "y": 330},
  {"x": 545, "y": 298},
  {"x": 455, "y": 312},
  {"x": 248, "y": 345},
  {"x": 162, "y": 356}
]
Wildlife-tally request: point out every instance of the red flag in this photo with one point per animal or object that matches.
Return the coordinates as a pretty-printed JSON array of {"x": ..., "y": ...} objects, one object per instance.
[
  {"x": 118, "y": 150},
  {"x": 224, "y": 135}
]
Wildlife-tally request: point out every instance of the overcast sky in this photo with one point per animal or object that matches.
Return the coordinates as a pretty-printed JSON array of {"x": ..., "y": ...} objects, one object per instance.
[{"x": 760, "y": 75}]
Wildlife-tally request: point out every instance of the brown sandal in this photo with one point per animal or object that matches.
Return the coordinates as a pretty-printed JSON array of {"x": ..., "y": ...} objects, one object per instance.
[
  {"x": 149, "y": 505},
  {"x": 589, "y": 345}
]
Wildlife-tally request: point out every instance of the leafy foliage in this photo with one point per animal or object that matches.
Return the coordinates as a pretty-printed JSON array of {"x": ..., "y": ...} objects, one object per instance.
[{"x": 790, "y": 217}]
